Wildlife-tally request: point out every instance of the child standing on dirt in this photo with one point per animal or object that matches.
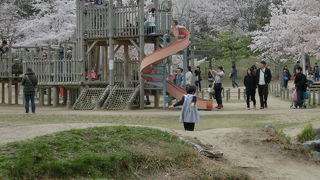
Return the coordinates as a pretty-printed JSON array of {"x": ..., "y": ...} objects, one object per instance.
[{"x": 189, "y": 113}]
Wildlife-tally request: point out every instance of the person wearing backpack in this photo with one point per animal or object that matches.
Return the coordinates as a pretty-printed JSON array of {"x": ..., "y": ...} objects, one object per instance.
[
  {"x": 29, "y": 83},
  {"x": 301, "y": 87}
]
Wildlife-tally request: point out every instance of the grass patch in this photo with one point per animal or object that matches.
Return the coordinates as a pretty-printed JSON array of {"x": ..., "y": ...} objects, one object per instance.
[
  {"x": 279, "y": 137},
  {"x": 104, "y": 152},
  {"x": 245, "y": 121},
  {"x": 307, "y": 134}
]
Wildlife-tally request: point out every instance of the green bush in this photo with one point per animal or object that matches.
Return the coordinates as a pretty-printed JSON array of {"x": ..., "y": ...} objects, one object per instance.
[{"x": 307, "y": 134}]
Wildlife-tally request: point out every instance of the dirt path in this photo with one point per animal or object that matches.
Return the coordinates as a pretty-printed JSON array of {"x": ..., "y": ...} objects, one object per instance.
[
  {"x": 246, "y": 151},
  {"x": 242, "y": 149}
]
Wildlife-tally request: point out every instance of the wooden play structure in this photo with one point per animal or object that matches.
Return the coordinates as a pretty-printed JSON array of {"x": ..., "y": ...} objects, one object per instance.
[{"x": 84, "y": 71}]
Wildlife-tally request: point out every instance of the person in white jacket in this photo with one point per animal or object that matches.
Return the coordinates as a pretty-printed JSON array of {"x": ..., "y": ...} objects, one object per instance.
[{"x": 189, "y": 77}]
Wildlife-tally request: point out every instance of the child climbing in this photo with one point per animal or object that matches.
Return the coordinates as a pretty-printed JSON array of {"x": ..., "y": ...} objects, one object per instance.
[
  {"x": 189, "y": 114},
  {"x": 211, "y": 91}
]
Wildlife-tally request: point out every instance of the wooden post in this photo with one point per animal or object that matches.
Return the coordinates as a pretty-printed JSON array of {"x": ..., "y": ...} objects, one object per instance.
[
  {"x": 55, "y": 96},
  {"x": 126, "y": 66},
  {"x": 65, "y": 96},
  {"x": 69, "y": 99},
  {"x": 105, "y": 64},
  {"x": 49, "y": 92},
  {"x": 141, "y": 54},
  {"x": 318, "y": 97},
  {"x": 239, "y": 94},
  {"x": 111, "y": 45},
  {"x": 157, "y": 99},
  {"x": 314, "y": 97},
  {"x": 3, "y": 100},
  {"x": 16, "y": 93},
  {"x": 10, "y": 92},
  {"x": 41, "y": 97}
]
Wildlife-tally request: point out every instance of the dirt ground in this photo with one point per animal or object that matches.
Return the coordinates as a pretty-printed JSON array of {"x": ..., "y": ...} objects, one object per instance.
[{"x": 243, "y": 149}]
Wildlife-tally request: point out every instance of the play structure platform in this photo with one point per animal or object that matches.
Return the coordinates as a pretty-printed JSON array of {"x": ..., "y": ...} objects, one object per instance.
[{"x": 104, "y": 65}]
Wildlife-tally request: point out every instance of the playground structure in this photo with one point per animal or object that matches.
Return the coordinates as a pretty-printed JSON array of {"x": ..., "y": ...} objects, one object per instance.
[{"x": 85, "y": 70}]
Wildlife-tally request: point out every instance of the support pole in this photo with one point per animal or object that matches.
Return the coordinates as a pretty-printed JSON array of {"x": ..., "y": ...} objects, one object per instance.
[
  {"x": 3, "y": 100},
  {"x": 141, "y": 54},
  {"x": 111, "y": 45},
  {"x": 157, "y": 99},
  {"x": 65, "y": 96},
  {"x": 126, "y": 66},
  {"x": 105, "y": 64},
  {"x": 10, "y": 92},
  {"x": 41, "y": 97},
  {"x": 69, "y": 99},
  {"x": 16, "y": 92},
  {"x": 49, "y": 92},
  {"x": 55, "y": 95}
]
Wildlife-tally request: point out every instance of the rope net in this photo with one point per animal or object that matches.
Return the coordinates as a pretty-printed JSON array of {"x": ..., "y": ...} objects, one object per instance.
[
  {"x": 89, "y": 98},
  {"x": 120, "y": 98}
]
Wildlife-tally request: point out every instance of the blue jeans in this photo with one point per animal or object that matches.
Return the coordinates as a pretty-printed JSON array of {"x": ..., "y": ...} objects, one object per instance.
[
  {"x": 218, "y": 91},
  {"x": 299, "y": 101},
  {"x": 27, "y": 98},
  {"x": 234, "y": 82}
]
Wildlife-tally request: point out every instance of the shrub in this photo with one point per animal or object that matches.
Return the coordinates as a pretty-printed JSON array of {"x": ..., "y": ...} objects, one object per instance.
[{"x": 307, "y": 134}]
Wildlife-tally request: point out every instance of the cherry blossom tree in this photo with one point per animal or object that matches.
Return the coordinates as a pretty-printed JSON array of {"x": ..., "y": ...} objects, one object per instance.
[{"x": 294, "y": 30}]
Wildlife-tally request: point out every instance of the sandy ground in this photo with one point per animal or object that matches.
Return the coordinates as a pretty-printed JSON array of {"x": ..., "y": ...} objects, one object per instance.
[{"x": 243, "y": 149}]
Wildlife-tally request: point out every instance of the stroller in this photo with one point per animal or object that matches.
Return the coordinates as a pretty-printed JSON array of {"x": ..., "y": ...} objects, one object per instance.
[{"x": 306, "y": 96}]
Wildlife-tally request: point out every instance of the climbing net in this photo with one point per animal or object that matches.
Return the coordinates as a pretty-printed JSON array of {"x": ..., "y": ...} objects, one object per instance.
[
  {"x": 120, "y": 98},
  {"x": 89, "y": 98}
]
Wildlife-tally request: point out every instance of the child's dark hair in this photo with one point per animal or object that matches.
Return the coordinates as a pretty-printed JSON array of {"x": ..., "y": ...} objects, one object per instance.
[
  {"x": 210, "y": 85},
  {"x": 299, "y": 68},
  {"x": 191, "y": 89}
]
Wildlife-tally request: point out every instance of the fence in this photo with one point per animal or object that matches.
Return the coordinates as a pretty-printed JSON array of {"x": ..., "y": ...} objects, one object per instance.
[
  {"x": 228, "y": 94},
  {"x": 125, "y": 21},
  {"x": 285, "y": 93}
]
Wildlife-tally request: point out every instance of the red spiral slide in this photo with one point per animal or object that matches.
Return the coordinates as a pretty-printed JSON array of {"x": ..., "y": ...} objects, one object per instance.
[{"x": 182, "y": 41}]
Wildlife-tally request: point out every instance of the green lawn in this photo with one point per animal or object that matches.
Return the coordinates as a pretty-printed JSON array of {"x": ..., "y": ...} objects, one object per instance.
[{"x": 245, "y": 121}]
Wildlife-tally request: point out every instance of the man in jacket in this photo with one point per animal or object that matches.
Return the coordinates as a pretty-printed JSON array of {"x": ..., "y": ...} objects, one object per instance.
[
  {"x": 29, "y": 81},
  {"x": 301, "y": 87},
  {"x": 263, "y": 78},
  {"x": 234, "y": 76}
]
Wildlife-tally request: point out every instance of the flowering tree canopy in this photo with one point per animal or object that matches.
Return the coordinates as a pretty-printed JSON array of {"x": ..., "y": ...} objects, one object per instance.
[{"x": 294, "y": 28}]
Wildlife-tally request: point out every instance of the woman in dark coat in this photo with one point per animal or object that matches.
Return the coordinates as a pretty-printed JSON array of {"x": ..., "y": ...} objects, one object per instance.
[{"x": 251, "y": 85}]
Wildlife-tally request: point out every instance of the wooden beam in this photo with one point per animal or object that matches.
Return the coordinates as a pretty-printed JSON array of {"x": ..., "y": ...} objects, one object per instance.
[
  {"x": 117, "y": 48},
  {"x": 126, "y": 66},
  {"x": 136, "y": 46},
  {"x": 3, "y": 85},
  {"x": 91, "y": 47}
]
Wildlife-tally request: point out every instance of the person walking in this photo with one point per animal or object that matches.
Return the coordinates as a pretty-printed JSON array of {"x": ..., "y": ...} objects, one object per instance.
[
  {"x": 197, "y": 73},
  {"x": 263, "y": 78},
  {"x": 218, "y": 86},
  {"x": 286, "y": 76},
  {"x": 251, "y": 86},
  {"x": 234, "y": 76},
  {"x": 301, "y": 87},
  {"x": 189, "y": 114},
  {"x": 210, "y": 77},
  {"x": 189, "y": 77},
  {"x": 179, "y": 77},
  {"x": 29, "y": 83},
  {"x": 295, "y": 67},
  {"x": 316, "y": 72}
]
